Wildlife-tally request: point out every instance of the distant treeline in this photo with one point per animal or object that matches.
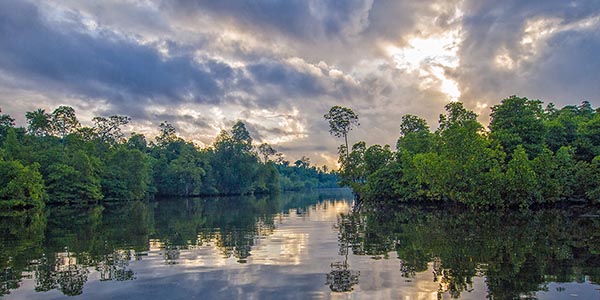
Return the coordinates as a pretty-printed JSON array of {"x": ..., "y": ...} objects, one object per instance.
[
  {"x": 528, "y": 155},
  {"x": 56, "y": 160}
]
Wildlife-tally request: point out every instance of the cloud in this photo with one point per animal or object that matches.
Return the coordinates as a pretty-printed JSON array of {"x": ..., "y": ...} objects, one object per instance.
[
  {"x": 538, "y": 49},
  {"x": 103, "y": 65},
  {"x": 306, "y": 20},
  {"x": 279, "y": 65}
]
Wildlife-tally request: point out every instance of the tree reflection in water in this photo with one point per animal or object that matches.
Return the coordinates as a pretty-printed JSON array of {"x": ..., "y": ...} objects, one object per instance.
[
  {"x": 62, "y": 272},
  {"x": 516, "y": 252},
  {"x": 341, "y": 278},
  {"x": 21, "y": 237},
  {"x": 171, "y": 254},
  {"x": 115, "y": 266},
  {"x": 70, "y": 275},
  {"x": 60, "y": 246}
]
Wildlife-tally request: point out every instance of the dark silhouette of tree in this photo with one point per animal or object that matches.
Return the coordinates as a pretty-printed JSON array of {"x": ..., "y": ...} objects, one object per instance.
[
  {"x": 64, "y": 121},
  {"x": 109, "y": 129},
  {"x": 266, "y": 150},
  {"x": 166, "y": 135}
]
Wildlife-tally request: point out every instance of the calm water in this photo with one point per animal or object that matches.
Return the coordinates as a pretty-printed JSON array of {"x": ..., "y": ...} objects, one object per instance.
[{"x": 298, "y": 246}]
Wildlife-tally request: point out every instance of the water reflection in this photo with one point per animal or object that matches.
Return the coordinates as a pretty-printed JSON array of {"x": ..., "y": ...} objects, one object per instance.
[
  {"x": 115, "y": 266},
  {"x": 58, "y": 248},
  {"x": 518, "y": 253},
  {"x": 342, "y": 278},
  {"x": 295, "y": 246},
  {"x": 22, "y": 237}
]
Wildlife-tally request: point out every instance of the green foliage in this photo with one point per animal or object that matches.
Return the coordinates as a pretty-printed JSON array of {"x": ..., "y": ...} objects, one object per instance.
[
  {"x": 64, "y": 121},
  {"x": 521, "y": 179},
  {"x": 518, "y": 121},
  {"x": 137, "y": 141},
  {"x": 588, "y": 177},
  {"x": 81, "y": 165},
  {"x": 376, "y": 157},
  {"x": 241, "y": 137},
  {"x": 415, "y": 136},
  {"x": 20, "y": 186},
  {"x": 341, "y": 121},
  {"x": 167, "y": 134},
  {"x": 304, "y": 176},
  {"x": 234, "y": 165},
  {"x": 187, "y": 172},
  {"x": 266, "y": 151},
  {"x": 6, "y": 122},
  {"x": 126, "y": 174},
  {"x": 78, "y": 181},
  {"x": 39, "y": 122},
  {"x": 588, "y": 139},
  {"x": 384, "y": 184},
  {"x": 529, "y": 156},
  {"x": 546, "y": 169},
  {"x": 13, "y": 148},
  {"x": 109, "y": 130},
  {"x": 411, "y": 124},
  {"x": 593, "y": 191},
  {"x": 456, "y": 115}
]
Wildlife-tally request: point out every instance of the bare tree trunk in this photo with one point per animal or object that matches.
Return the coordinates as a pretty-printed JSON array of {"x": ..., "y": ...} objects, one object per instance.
[{"x": 347, "y": 150}]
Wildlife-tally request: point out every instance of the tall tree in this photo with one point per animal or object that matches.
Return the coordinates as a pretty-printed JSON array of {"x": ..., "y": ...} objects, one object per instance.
[
  {"x": 241, "y": 136},
  {"x": 414, "y": 135},
  {"x": 456, "y": 115},
  {"x": 167, "y": 134},
  {"x": 303, "y": 162},
  {"x": 64, "y": 121},
  {"x": 109, "y": 129},
  {"x": 518, "y": 121},
  {"x": 20, "y": 186},
  {"x": 6, "y": 122},
  {"x": 137, "y": 141},
  {"x": 341, "y": 121},
  {"x": 38, "y": 122},
  {"x": 411, "y": 123},
  {"x": 521, "y": 179},
  {"x": 266, "y": 150}
]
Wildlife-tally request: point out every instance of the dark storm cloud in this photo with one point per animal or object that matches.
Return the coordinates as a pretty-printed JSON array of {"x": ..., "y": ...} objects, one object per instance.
[
  {"x": 569, "y": 74},
  {"x": 103, "y": 65},
  {"x": 307, "y": 20},
  {"x": 292, "y": 81},
  {"x": 129, "y": 76},
  {"x": 564, "y": 70}
]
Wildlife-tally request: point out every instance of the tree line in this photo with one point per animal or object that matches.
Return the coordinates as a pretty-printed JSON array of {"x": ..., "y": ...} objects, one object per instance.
[
  {"x": 527, "y": 155},
  {"x": 57, "y": 160}
]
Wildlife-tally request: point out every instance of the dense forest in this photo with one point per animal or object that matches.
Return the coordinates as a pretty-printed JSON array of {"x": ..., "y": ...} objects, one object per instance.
[
  {"x": 56, "y": 160},
  {"x": 528, "y": 155}
]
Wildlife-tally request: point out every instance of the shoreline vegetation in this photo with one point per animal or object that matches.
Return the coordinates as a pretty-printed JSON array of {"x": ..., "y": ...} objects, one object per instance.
[
  {"x": 55, "y": 160},
  {"x": 528, "y": 156}
]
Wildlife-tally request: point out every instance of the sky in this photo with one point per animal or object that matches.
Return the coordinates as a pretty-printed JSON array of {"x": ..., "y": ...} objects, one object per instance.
[{"x": 279, "y": 65}]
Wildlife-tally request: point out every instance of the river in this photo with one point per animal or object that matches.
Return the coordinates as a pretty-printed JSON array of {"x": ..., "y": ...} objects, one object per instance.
[{"x": 308, "y": 245}]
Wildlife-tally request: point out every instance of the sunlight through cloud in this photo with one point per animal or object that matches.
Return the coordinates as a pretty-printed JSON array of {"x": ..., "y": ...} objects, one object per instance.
[{"x": 429, "y": 57}]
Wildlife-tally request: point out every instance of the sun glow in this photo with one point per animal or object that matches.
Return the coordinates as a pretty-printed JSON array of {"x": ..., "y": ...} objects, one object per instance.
[{"x": 429, "y": 58}]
